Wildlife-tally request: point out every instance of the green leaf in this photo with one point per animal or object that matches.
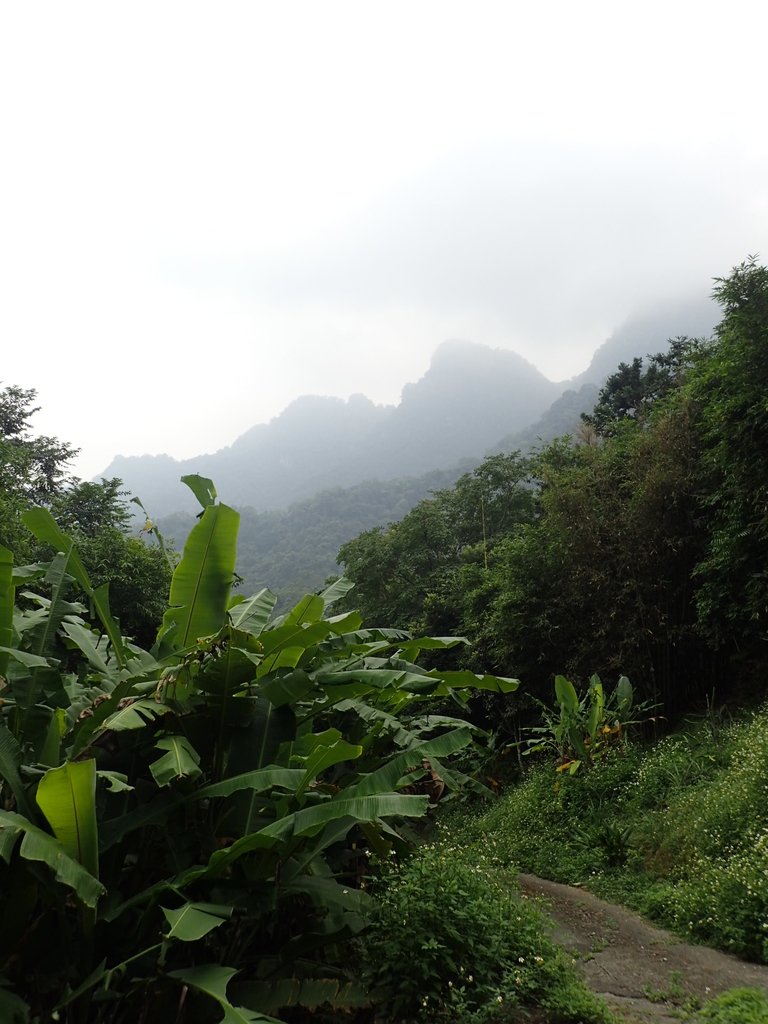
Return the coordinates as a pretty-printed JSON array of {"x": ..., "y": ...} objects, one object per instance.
[
  {"x": 39, "y": 846},
  {"x": 388, "y": 775},
  {"x": 135, "y": 715},
  {"x": 286, "y": 689},
  {"x": 202, "y": 488},
  {"x": 259, "y": 781},
  {"x": 7, "y": 598},
  {"x": 56, "y": 577},
  {"x": 309, "y": 609},
  {"x": 357, "y": 808},
  {"x": 461, "y": 679},
  {"x": 313, "y": 819},
  {"x": 24, "y": 658},
  {"x": 67, "y": 797},
  {"x": 327, "y": 749},
  {"x": 10, "y": 760},
  {"x": 252, "y": 614},
  {"x": 13, "y": 1009},
  {"x": 44, "y": 527},
  {"x": 411, "y": 648},
  {"x": 336, "y": 590},
  {"x": 213, "y": 980},
  {"x": 203, "y": 579},
  {"x": 623, "y": 696},
  {"x": 86, "y": 641},
  {"x": 116, "y": 782},
  {"x": 566, "y": 694},
  {"x": 194, "y": 920},
  {"x": 180, "y": 762}
]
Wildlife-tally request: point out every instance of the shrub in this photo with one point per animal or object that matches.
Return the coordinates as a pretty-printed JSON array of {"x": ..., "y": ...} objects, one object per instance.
[
  {"x": 738, "y": 1006},
  {"x": 450, "y": 940}
]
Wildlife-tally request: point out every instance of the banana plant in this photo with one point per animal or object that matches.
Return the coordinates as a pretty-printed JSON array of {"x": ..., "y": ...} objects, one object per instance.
[
  {"x": 208, "y": 801},
  {"x": 581, "y": 730}
]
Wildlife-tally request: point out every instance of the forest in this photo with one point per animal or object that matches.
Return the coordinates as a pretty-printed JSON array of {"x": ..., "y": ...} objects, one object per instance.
[
  {"x": 213, "y": 809},
  {"x": 636, "y": 547}
]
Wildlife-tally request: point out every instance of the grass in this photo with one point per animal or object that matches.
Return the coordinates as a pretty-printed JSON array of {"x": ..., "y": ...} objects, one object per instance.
[
  {"x": 453, "y": 940},
  {"x": 678, "y": 831}
]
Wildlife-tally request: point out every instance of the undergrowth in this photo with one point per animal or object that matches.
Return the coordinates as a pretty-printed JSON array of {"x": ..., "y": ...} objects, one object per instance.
[
  {"x": 678, "y": 831},
  {"x": 453, "y": 940}
]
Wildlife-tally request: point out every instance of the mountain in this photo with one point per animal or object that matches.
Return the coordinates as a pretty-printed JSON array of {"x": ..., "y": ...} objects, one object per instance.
[
  {"x": 470, "y": 396},
  {"x": 648, "y": 332},
  {"x": 466, "y": 398},
  {"x": 641, "y": 335}
]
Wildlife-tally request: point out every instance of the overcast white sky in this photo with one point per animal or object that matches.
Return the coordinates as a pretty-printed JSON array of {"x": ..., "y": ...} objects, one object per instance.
[{"x": 207, "y": 209}]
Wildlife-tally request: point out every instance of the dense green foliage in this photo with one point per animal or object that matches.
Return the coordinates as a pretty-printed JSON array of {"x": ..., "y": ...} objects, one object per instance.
[
  {"x": 32, "y": 468},
  {"x": 295, "y": 549},
  {"x": 176, "y": 816},
  {"x": 33, "y": 474},
  {"x": 739, "y": 1006},
  {"x": 452, "y": 940},
  {"x": 679, "y": 831},
  {"x": 638, "y": 548}
]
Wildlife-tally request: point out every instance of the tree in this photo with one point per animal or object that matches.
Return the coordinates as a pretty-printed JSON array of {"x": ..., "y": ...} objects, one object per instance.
[
  {"x": 97, "y": 517},
  {"x": 729, "y": 389},
  {"x": 33, "y": 472},
  {"x": 32, "y": 469},
  {"x": 409, "y": 573},
  {"x": 633, "y": 390}
]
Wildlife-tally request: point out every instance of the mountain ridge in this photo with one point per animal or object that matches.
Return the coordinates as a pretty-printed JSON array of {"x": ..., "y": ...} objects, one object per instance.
[{"x": 472, "y": 399}]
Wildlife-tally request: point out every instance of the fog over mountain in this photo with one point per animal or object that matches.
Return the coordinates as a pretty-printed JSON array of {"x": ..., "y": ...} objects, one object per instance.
[{"x": 472, "y": 399}]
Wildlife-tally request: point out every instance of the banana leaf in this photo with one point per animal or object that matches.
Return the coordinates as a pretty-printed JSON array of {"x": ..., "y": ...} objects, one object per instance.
[
  {"x": 67, "y": 797},
  {"x": 7, "y": 598},
  {"x": 202, "y": 580},
  {"x": 45, "y": 528},
  {"x": 40, "y": 846}
]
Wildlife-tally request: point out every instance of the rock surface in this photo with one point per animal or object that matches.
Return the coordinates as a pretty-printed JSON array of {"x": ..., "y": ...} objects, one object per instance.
[{"x": 645, "y": 973}]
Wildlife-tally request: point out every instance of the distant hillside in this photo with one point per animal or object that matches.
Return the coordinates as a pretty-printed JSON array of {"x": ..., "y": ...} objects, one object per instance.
[
  {"x": 293, "y": 550},
  {"x": 469, "y": 398},
  {"x": 641, "y": 335},
  {"x": 647, "y": 333}
]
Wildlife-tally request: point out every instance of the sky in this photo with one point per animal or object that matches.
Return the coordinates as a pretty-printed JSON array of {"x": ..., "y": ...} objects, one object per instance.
[{"x": 207, "y": 209}]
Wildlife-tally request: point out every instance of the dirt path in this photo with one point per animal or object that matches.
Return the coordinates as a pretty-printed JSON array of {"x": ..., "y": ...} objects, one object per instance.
[{"x": 627, "y": 960}]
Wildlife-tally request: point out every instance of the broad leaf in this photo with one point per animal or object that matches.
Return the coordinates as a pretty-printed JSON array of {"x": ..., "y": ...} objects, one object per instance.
[
  {"x": 358, "y": 808},
  {"x": 44, "y": 526},
  {"x": 252, "y": 614},
  {"x": 7, "y": 597},
  {"x": 135, "y": 715},
  {"x": 24, "y": 658},
  {"x": 202, "y": 488},
  {"x": 309, "y": 609},
  {"x": 10, "y": 760},
  {"x": 180, "y": 762},
  {"x": 203, "y": 579},
  {"x": 67, "y": 797},
  {"x": 86, "y": 640},
  {"x": 387, "y": 776},
  {"x": 13, "y": 1009},
  {"x": 338, "y": 589},
  {"x": 213, "y": 980},
  {"x": 327, "y": 749},
  {"x": 40, "y": 846},
  {"x": 194, "y": 920},
  {"x": 56, "y": 577},
  {"x": 259, "y": 781},
  {"x": 566, "y": 694}
]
